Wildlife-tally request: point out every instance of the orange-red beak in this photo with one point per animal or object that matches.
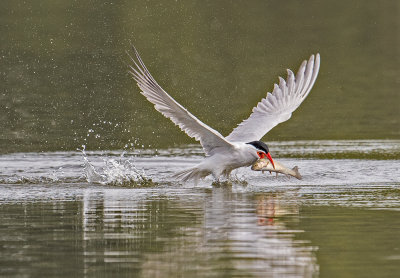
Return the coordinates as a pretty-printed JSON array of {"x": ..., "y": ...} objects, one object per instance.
[{"x": 270, "y": 159}]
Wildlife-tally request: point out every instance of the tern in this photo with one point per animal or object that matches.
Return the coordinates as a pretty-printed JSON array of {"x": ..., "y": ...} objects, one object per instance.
[{"x": 242, "y": 147}]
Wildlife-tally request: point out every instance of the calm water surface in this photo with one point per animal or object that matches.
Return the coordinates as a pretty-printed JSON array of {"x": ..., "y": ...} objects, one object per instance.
[{"x": 341, "y": 220}]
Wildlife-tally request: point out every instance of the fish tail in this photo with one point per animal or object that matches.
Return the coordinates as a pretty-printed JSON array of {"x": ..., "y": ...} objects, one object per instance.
[
  {"x": 191, "y": 174},
  {"x": 296, "y": 170}
]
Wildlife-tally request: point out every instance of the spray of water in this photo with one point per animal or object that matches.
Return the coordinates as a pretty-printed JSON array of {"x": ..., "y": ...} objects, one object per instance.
[{"x": 121, "y": 172}]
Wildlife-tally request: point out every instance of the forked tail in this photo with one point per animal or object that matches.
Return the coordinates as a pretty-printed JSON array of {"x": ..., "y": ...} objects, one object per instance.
[
  {"x": 296, "y": 170},
  {"x": 191, "y": 174}
]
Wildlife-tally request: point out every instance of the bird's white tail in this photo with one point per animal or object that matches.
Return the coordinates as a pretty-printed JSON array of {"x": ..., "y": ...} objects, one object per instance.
[{"x": 191, "y": 174}]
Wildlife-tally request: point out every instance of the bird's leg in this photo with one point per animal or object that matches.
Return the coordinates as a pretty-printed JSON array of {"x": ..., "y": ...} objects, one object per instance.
[
  {"x": 217, "y": 175},
  {"x": 216, "y": 178},
  {"x": 228, "y": 175}
]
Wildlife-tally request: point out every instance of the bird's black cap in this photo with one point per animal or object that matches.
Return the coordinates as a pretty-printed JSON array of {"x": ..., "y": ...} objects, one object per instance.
[{"x": 260, "y": 146}]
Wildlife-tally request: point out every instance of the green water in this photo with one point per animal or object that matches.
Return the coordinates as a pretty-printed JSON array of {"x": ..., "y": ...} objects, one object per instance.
[
  {"x": 181, "y": 232},
  {"x": 64, "y": 84},
  {"x": 63, "y": 69}
]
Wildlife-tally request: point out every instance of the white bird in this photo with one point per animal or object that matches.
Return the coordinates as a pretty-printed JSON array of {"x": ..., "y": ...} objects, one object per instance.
[{"x": 242, "y": 147}]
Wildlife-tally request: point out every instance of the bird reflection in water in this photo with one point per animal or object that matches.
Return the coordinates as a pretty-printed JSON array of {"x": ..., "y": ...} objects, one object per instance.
[{"x": 271, "y": 207}]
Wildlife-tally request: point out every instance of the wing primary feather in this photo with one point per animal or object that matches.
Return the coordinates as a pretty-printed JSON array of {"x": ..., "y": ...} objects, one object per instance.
[
  {"x": 210, "y": 139},
  {"x": 307, "y": 75},
  {"x": 278, "y": 107},
  {"x": 290, "y": 83},
  {"x": 267, "y": 103},
  {"x": 145, "y": 86},
  {"x": 315, "y": 73},
  {"x": 140, "y": 73},
  {"x": 134, "y": 62},
  {"x": 282, "y": 83},
  {"x": 283, "y": 87},
  {"x": 143, "y": 65},
  {"x": 300, "y": 78},
  {"x": 143, "y": 72}
]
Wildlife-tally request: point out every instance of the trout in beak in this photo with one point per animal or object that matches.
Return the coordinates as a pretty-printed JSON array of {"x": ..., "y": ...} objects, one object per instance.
[{"x": 265, "y": 165}]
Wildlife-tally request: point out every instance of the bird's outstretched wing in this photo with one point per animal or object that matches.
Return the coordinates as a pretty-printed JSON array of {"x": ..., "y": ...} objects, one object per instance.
[
  {"x": 277, "y": 107},
  {"x": 209, "y": 138}
]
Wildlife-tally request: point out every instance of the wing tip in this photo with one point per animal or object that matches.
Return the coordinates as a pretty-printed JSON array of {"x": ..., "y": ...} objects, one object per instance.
[{"x": 315, "y": 59}]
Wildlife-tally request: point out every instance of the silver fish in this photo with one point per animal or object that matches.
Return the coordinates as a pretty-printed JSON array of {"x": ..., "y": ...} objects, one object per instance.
[{"x": 266, "y": 165}]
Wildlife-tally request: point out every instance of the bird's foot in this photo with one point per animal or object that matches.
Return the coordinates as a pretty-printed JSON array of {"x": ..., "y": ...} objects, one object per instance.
[
  {"x": 225, "y": 183},
  {"x": 238, "y": 180}
]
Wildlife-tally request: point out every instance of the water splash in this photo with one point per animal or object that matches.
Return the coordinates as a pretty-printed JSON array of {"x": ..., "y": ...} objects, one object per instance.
[
  {"x": 121, "y": 172},
  {"x": 110, "y": 167}
]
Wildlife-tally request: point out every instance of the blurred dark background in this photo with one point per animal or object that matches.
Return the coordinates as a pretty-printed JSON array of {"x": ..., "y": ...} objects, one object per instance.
[{"x": 64, "y": 80}]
